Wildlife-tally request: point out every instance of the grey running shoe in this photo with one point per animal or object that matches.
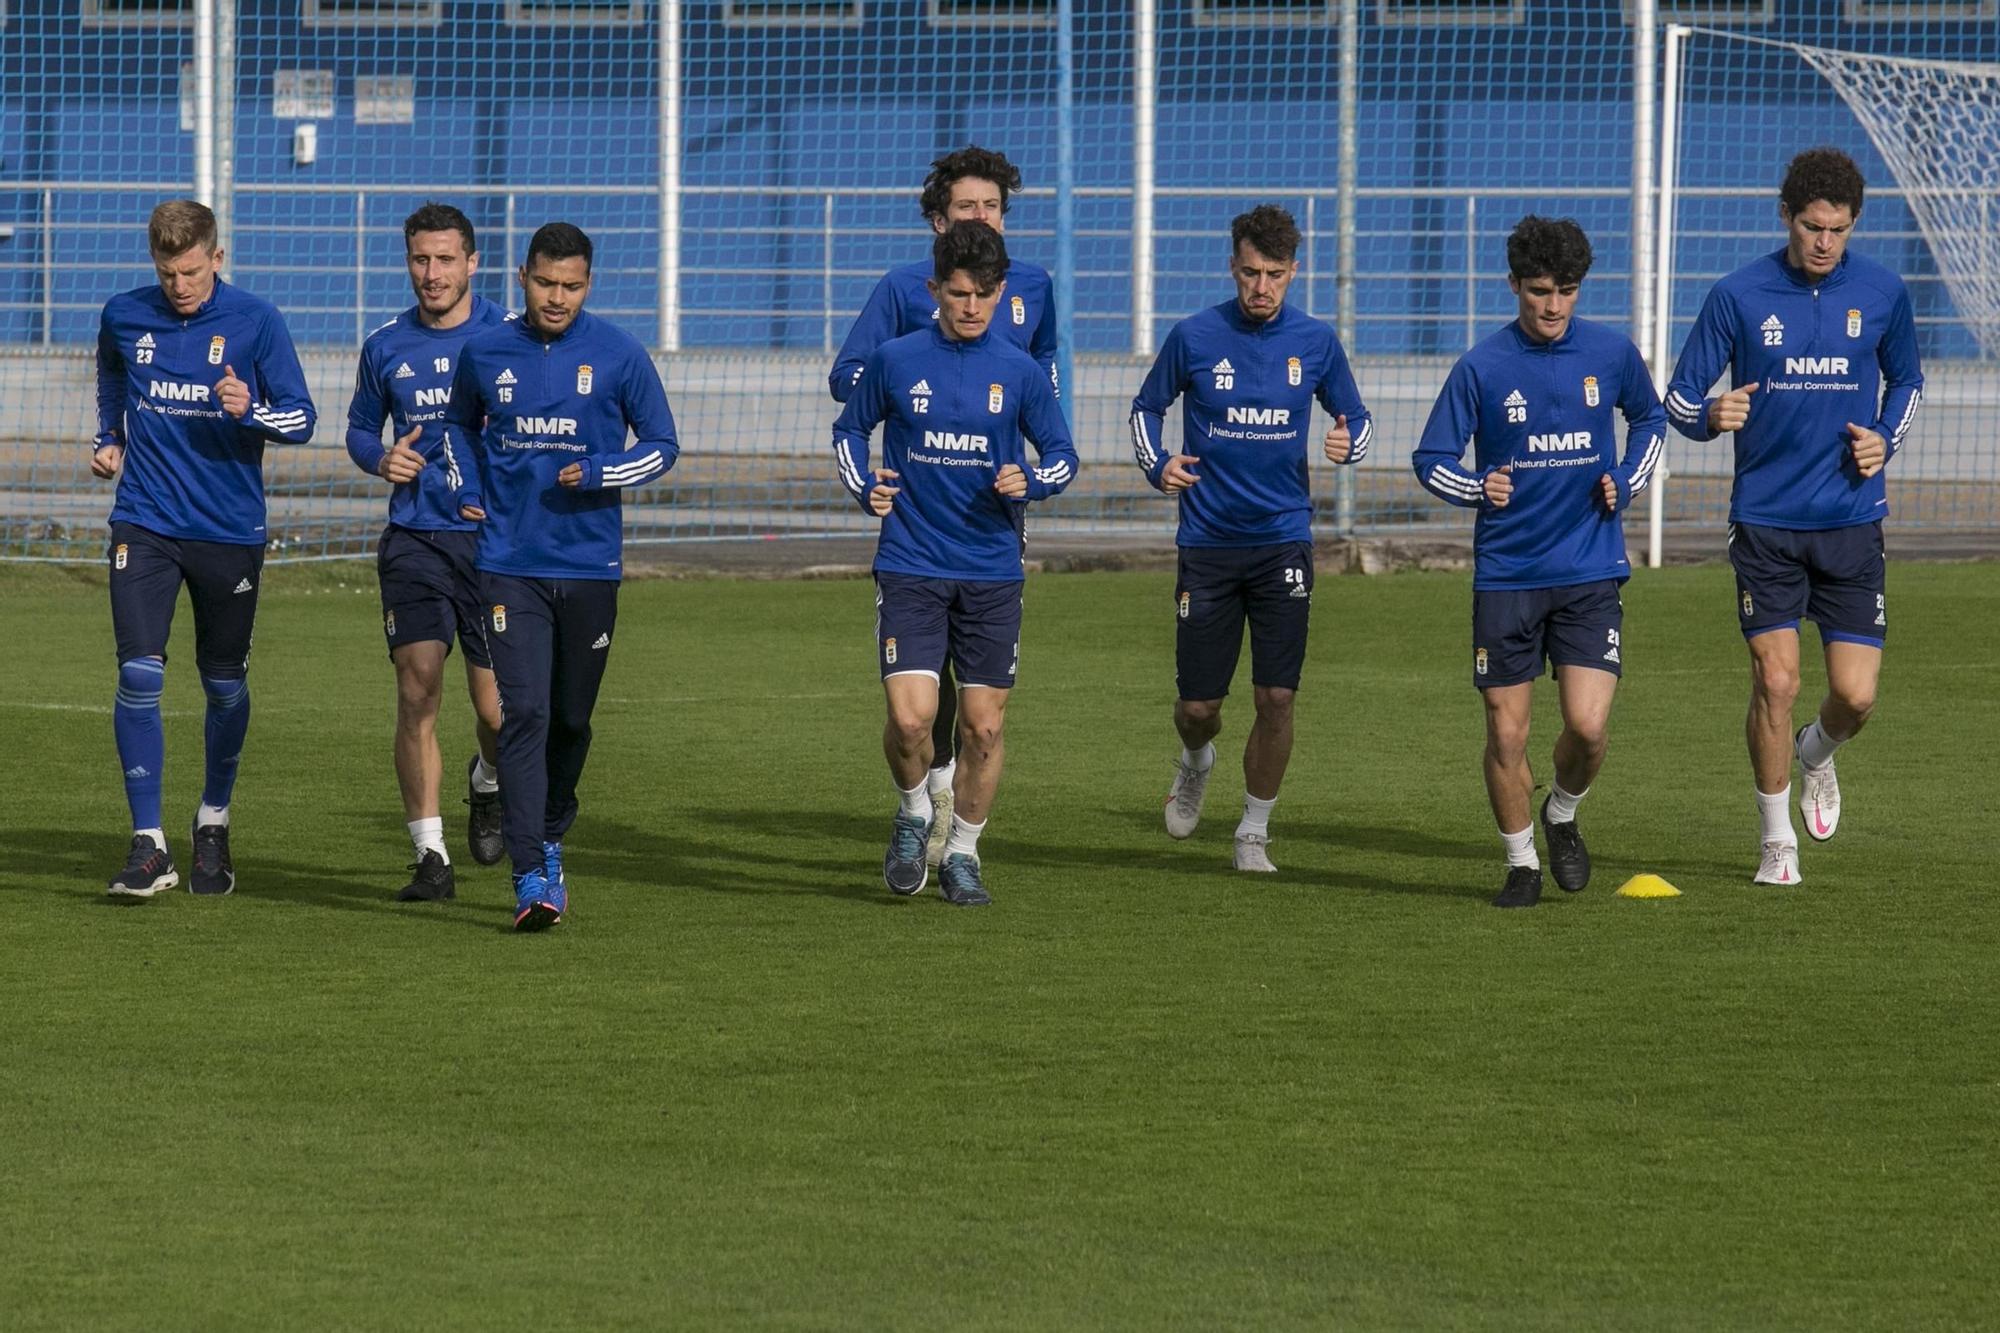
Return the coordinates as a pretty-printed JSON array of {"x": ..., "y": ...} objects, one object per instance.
[
  {"x": 960, "y": 883},
  {"x": 903, "y": 868}
]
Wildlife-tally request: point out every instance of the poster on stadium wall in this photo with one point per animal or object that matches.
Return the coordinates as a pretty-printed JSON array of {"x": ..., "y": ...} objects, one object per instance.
[
  {"x": 385, "y": 99},
  {"x": 302, "y": 94}
]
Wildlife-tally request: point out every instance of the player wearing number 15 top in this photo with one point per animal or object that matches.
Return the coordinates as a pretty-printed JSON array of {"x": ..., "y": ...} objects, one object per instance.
[
  {"x": 194, "y": 378},
  {"x": 1536, "y": 401},
  {"x": 1247, "y": 373}
]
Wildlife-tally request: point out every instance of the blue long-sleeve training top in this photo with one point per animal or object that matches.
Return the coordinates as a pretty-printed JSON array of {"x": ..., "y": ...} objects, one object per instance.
[
  {"x": 192, "y": 471},
  {"x": 1822, "y": 354},
  {"x": 952, "y": 415},
  {"x": 902, "y": 304},
  {"x": 1544, "y": 410},
  {"x": 405, "y": 375},
  {"x": 546, "y": 403},
  {"x": 1246, "y": 391}
]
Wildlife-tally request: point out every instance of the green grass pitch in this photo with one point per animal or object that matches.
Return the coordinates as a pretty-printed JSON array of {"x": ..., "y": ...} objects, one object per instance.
[{"x": 744, "y": 1086}]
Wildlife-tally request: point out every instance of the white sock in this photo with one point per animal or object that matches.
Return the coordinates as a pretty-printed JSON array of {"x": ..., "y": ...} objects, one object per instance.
[
  {"x": 159, "y": 836},
  {"x": 964, "y": 838},
  {"x": 1199, "y": 760},
  {"x": 211, "y": 814},
  {"x": 940, "y": 778},
  {"x": 1775, "y": 808},
  {"x": 1521, "y": 848},
  {"x": 1816, "y": 747},
  {"x": 917, "y": 802},
  {"x": 427, "y": 835},
  {"x": 1256, "y": 816},
  {"x": 1562, "y": 805},
  {"x": 485, "y": 778}
]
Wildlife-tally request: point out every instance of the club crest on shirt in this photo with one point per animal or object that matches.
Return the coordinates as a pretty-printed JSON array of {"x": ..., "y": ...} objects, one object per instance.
[
  {"x": 1294, "y": 372},
  {"x": 499, "y": 619},
  {"x": 1020, "y": 308},
  {"x": 1479, "y": 660},
  {"x": 1854, "y": 323},
  {"x": 583, "y": 379},
  {"x": 995, "y": 396},
  {"x": 889, "y": 651},
  {"x": 1590, "y": 391},
  {"x": 215, "y": 346},
  {"x": 120, "y": 556}
]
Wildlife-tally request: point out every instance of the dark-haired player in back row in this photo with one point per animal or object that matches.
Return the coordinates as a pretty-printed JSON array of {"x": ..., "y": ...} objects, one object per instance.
[
  {"x": 1536, "y": 400},
  {"x": 184, "y": 432},
  {"x": 557, "y": 390},
  {"x": 430, "y": 589},
  {"x": 958, "y": 406},
  {"x": 1825, "y": 380},
  {"x": 973, "y": 184},
  {"x": 1247, "y": 373}
]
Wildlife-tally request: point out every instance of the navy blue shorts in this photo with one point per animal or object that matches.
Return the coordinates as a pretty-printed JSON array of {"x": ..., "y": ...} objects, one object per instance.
[
  {"x": 1514, "y": 630},
  {"x": 919, "y": 622},
  {"x": 1834, "y": 577},
  {"x": 222, "y": 579},
  {"x": 1217, "y": 590},
  {"x": 430, "y": 590}
]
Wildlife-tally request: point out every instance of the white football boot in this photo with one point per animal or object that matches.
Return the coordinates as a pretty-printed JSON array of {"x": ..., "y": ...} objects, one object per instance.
[{"x": 1780, "y": 864}]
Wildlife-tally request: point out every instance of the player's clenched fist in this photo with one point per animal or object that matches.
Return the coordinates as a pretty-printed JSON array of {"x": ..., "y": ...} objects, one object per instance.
[
  {"x": 233, "y": 394},
  {"x": 1178, "y": 474},
  {"x": 104, "y": 463},
  {"x": 1870, "y": 450},
  {"x": 402, "y": 463},
  {"x": 1730, "y": 411},
  {"x": 882, "y": 496},
  {"x": 1339, "y": 442},
  {"x": 1499, "y": 486},
  {"x": 1011, "y": 482}
]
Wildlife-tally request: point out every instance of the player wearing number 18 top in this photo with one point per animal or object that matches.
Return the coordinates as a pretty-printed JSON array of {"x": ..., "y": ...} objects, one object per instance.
[
  {"x": 1821, "y": 348},
  {"x": 194, "y": 378},
  {"x": 1536, "y": 401},
  {"x": 1247, "y": 373}
]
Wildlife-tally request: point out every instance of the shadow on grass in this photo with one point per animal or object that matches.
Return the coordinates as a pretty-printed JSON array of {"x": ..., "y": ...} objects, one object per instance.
[{"x": 714, "y": 851}]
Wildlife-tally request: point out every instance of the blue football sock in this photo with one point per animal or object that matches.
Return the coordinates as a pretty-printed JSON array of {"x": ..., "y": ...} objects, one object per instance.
[
  {"x": 228, "y": 722},
  {"x": 142, "y": 745}
]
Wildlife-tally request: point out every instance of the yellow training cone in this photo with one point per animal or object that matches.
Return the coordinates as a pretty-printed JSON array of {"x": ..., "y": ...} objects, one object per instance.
[{"x": 1647, "y": 886}]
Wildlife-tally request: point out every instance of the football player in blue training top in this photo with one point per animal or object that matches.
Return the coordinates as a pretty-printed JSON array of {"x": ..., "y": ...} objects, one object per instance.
[
  {"x": 958, "y": 406},
  {"x": 194, "y": 378},
  {"x": 971, "y": 185},
  {"x": 430, "y": 590},
  {"x": 1535, "y": 400},
  {"x": 1825, "y": 380},
  {"x": 557, "y": 391},
  {"x": 1247, "y": 373}
]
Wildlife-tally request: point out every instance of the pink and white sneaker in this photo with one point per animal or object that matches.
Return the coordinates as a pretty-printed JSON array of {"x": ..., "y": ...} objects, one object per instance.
[
  {"x": 1819, "y": 797},
  {"x": 1780, "y": 864}
]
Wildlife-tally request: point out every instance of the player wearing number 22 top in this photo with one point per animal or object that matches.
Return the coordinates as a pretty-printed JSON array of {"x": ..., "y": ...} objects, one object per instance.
[
  {"x": 958, "y": 406},
  {"x": 1247, "y": 373},
  {"x": 1536, "y": 401},
  {"x": 194, "y": 378},
  {"x": 558, "y": 390}
]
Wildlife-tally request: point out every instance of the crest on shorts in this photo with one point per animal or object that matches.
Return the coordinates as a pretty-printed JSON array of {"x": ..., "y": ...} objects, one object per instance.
[
  {"x": 1479, "y": 660},
  {"x": 889, "y": 651},
  {"x": 1854, "y": 323},
  {"x": 1020, "y": 308},
  {"x": 215, "y": 346},
  {"x": 1184, "y": 606},
  {"x": 119, "y": 556},
  {"x": 499, "y": 619},
  {"x": 583, "y": 379},
  {"x": 1746, "y": 603},
  {"x": 1590, "y": 391},
  {"x": 389, "y": 623},
  {"x": 1294, "y": 372},
  {"x": 995, "y": 396}
]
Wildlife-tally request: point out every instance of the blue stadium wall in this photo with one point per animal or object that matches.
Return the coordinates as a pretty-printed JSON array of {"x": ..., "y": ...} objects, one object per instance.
[{"x": 846, "y": 107}]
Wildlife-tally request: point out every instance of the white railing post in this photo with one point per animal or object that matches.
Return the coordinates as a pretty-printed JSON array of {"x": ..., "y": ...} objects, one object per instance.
[
  {"x": 668, "y": 335},
  {"x": 1350, "y": 177},
  {"x": 1661, "y": 335},
  {"x": 360, "y": 267},
  {"x": 204, "y": 103},
  {"x": 1145, "y": 94}
]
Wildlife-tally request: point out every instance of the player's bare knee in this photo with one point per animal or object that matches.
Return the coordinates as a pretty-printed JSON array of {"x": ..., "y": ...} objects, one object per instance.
[
  {"x": 1204, "y": 714},
  {"x": 1274, "y": 706},
  {"x": 980, "y": 734},
  {"x": 1776, "y": 682},
  {"x": 1857, "y": 702},
  {"x": 908, "y": 729}
]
